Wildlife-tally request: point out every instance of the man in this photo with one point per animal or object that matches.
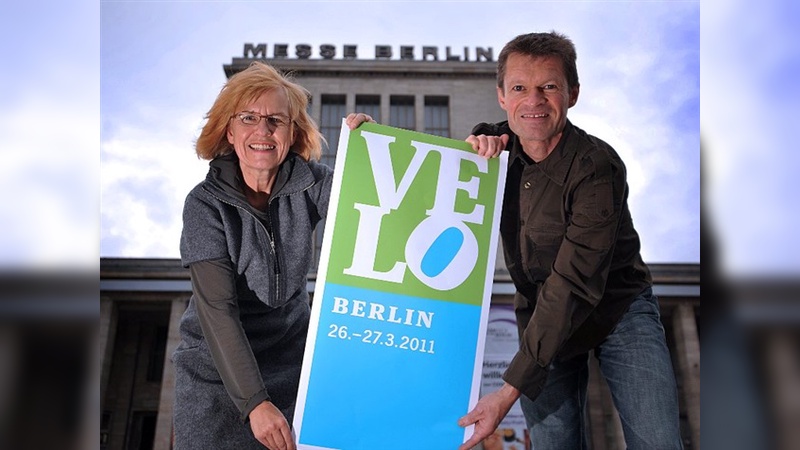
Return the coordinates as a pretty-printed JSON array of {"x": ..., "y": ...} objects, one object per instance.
[{"x": 573, "y": 255}]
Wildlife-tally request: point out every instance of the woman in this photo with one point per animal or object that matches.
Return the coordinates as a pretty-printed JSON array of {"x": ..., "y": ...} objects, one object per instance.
[{"x": 247, "y": 242}]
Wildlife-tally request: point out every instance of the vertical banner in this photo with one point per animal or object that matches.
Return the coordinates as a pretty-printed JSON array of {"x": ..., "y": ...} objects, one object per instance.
[
  {"x": 502, "y": 343},
  {"x": 394, "y": 354}
]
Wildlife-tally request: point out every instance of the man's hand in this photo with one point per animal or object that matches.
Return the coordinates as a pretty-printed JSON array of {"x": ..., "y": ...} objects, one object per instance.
[
  {"x": 353, "y": 120},
  {"x": 270, "y": 427},
  {"x": 488, "y": 146},
  {"x": 488, "y": 413}
]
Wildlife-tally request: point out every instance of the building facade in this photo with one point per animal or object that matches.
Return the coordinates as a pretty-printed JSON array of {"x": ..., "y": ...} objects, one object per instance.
[
  {"x": 440, "y": 93},
  {"x": 142, "y": 300}
]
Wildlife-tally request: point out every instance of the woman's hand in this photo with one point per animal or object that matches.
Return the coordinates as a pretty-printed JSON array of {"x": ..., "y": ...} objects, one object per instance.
[
  {"x": 488, "y": 146},
  {"x": 353, "y": 120},
  {"x": 270, "y": 427}
]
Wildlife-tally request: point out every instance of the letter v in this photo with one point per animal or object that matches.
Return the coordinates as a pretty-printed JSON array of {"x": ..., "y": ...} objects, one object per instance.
[{"x": 390, "y": 193}]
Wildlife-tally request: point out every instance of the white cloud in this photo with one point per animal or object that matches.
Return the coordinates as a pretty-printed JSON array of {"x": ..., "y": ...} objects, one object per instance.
[
  {"x": 146, "y": 174},
  {"x": 637, "y": 101}
]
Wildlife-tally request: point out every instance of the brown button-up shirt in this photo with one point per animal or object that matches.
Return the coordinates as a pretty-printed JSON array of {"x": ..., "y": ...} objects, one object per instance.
[{"x": 570, "y": 248}]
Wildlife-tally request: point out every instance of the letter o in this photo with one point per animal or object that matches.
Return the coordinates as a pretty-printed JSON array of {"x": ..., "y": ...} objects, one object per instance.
[{"x": 458, "y": 269}]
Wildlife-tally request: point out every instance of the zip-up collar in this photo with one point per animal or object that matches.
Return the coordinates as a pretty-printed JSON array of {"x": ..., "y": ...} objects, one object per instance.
[{"x": 225, "y": 178}]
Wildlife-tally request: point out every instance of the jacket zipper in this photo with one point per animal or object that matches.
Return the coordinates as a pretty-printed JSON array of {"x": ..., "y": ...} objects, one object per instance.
[
  {"x": 272, "y": 242},
  {"x": 276, "y": 266},
  {"x": 276, "y": 263}
]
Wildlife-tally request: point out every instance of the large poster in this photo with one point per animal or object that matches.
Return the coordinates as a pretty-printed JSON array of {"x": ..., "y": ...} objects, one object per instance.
[{"x": 395, "y": 347}]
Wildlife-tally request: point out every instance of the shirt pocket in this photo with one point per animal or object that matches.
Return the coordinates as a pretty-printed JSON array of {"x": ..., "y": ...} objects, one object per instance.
[{"x": 540, "y": 247}]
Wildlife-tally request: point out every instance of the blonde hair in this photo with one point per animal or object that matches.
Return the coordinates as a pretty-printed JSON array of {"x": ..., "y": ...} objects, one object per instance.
[{"x": 245, "y": 87}]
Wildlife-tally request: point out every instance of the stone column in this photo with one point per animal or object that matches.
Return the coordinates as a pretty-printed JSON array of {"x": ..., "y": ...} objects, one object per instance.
[
  {"x": 316, "y": 108},
  {"x": 687, "y": 346},
  {"x": 782, "y": 372},
  {"x": 594, "y": 407},
  {"x": 611, "y": 425},
  {"x": 385, "y": 108},
  {"x": 419, "y": 112},
  {"x": 163, "y": 438},
  {"x": 108, "y": 331},
  {"x": 349, "y": 103}
]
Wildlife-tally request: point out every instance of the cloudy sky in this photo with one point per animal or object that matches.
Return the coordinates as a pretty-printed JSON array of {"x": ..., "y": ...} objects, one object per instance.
[
  {"x": 161, "y": 68},
  {"x": 89, "y": 172},
  {"x": 133, "y": 80}
]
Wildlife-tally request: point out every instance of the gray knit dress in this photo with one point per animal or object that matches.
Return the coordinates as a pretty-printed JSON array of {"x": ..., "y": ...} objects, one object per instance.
[{"x": 243, "y": 333}]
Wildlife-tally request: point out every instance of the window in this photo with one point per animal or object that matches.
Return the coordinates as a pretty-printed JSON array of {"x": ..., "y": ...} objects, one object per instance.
[
  {"x": 401, "y": 112},
  {"x": 370, "y": 105},
  {"x": 437, "y": 116},
  {"x": 332, "y": 111}
]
